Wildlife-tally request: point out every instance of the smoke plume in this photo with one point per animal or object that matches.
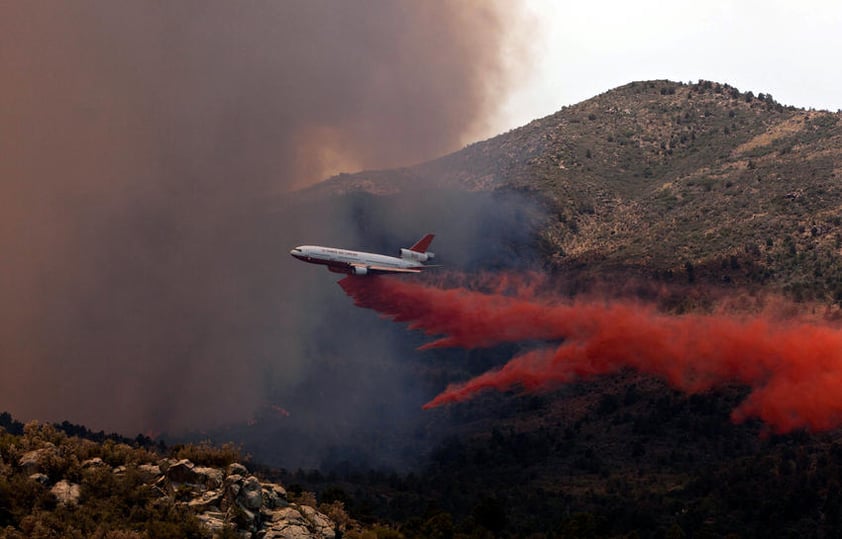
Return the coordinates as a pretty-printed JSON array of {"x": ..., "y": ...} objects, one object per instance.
[
  {"x": 793, "y": 366},
  {"x": 147, "y": 152}
]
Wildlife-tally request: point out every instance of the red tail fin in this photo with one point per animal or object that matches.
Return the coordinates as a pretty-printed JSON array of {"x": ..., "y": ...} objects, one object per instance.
[{"x": 423, "y": 244}]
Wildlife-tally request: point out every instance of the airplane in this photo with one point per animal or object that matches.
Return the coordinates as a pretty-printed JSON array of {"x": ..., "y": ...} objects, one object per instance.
[{"x": 359, "y": 263}]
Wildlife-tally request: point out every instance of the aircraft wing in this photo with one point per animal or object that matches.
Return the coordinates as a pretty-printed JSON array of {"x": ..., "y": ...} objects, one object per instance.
[{"x": 387, "y": 269}]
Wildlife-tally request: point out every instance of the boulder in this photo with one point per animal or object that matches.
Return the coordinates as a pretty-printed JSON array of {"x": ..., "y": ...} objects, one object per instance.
[
  {"x": 36, "y": 461},
  {"x": 66, "y": 493},
  {"x": 182, "y": 472},
  {"x": 274, "y": 496},
  {"x": 211, "y": 477},
  {"x": 246, "y": 519},
  {"x": 288, "y": 531},
  {"x": 251, "y": 494},
  {"x": 149, "y": 473},
  {"x": 298, "y": 522},
  {"x": 95, "y": 462},
  {"x": 164, "y": 464},
  {"x": 321, "y": 525},
  {"x": 237, "y": 469},
  {"x": 213, "y": 521},
  {"x": 208, "y": 500},
  {"x": 231, "y": 488},
  {"x": 39, "y": 478}
]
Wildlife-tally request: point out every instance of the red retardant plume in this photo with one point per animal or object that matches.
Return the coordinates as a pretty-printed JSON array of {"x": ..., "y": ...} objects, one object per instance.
[{"x": 793, "y": 367}]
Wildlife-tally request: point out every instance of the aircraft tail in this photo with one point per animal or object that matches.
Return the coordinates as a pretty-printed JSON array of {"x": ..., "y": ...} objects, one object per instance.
[
  {"x": 423, "y": 244},
  {"x": 419, "y": 252}
]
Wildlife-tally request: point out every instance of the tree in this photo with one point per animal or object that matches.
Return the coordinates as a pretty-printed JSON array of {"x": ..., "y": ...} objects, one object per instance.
[{"x": 691, "y": 272}]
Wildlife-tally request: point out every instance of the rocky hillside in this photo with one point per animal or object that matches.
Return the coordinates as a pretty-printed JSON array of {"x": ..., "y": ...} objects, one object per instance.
[
  {"x": 54, "y": 485},
  {"x": 655, "y": 176}
]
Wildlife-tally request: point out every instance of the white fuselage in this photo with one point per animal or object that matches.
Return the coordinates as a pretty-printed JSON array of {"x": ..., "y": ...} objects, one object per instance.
[{"x": 354, "y": 262}]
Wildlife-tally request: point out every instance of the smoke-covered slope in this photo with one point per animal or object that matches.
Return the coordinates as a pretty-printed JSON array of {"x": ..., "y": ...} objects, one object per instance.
[{"x": 658, "y": 175}]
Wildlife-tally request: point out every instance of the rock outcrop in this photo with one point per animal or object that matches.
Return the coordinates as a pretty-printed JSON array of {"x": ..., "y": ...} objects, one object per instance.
[
  {"x": 66, "y": 493},
  {"x": 37, "y": 460},
  {"x": 220, "y": 498},
  {"x": 54, "y": 485},
  {"x": 234, "y": 497}
]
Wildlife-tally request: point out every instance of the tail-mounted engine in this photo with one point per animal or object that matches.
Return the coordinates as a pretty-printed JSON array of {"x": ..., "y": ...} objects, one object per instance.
[{"x": 408, "y": 254}]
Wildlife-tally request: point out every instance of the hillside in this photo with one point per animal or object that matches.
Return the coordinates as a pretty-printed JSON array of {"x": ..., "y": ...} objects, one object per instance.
[
  {"x": 623, "y": 456},
  {"x": 65, "y": 481},
  {"x": 698, "y": 186},
  {"x": 656, "y": 175}
]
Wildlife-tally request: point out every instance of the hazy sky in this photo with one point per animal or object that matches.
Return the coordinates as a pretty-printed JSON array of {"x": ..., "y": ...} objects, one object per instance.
[{"x": 789, "y": 49}]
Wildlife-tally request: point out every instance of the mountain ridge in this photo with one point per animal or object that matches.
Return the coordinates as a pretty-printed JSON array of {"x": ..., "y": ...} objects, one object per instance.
[{"x": 658, "y": 174}]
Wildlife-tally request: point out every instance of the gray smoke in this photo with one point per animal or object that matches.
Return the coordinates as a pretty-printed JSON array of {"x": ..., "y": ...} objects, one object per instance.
[{"x": 146, "y": 150}]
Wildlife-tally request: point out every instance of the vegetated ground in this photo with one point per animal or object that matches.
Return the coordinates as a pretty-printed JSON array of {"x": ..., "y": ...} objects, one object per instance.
[
  {"x": 620, "y": 455},
  {"x": 65, "y": 481},
  {"x": 704, "y": 189}
]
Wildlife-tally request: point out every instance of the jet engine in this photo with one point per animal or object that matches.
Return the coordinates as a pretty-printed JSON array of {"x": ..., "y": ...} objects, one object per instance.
[
  {"x": 360, "y": 270},
  {"x": 408, "y": 254}
]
